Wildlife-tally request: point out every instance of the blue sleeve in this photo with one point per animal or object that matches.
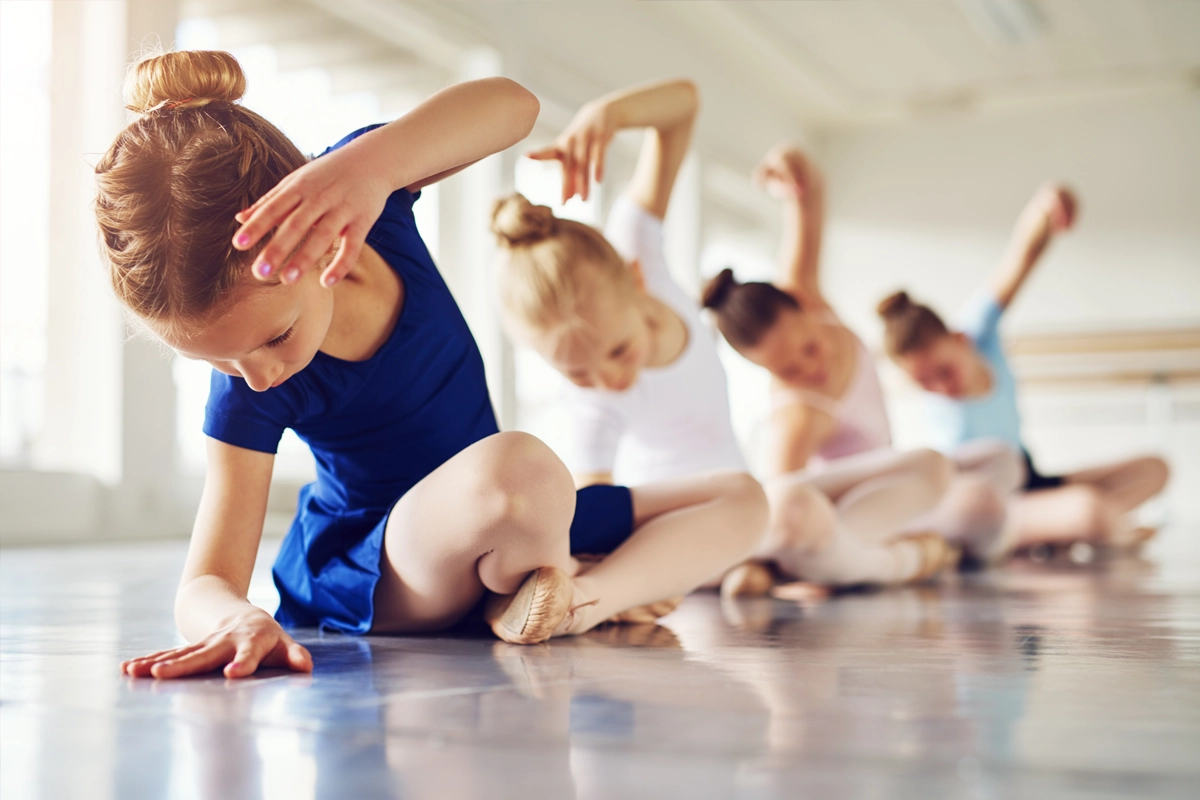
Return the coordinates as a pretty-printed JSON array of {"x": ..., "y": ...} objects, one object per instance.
[
  {"x": 398, "y": 207},
  {"x": 980, "y": 320},
  {"x": 237, "y": 415}
]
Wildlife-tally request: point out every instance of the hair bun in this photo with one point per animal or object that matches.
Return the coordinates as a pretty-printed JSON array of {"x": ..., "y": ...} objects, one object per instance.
[
  {"x": 516, "y": 221},
  {"x": 716, "y": 291},
  {"x": 894, "y": 304},
  {"x": 183, "y": 79}
]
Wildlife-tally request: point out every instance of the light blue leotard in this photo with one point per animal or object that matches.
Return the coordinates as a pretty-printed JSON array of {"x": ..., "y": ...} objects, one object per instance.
[{"x": 953, "y": 423}]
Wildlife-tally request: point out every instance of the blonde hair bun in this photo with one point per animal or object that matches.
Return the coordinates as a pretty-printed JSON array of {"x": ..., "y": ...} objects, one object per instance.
[
  {"x": 517, "y": 222},
  {"x": 183, "y": 79}
]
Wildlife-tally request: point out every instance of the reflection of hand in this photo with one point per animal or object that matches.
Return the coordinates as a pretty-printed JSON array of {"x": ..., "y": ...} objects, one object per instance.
[
  {"x": 335, "y": 197},
  {"x": 785, "y": 173},
  {"x": 241, "y": 646},
  {"x": 580, "y": 149}
]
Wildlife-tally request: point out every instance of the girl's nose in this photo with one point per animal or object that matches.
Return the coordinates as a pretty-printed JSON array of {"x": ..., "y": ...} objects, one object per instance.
[{"x": 260, "y": 378}]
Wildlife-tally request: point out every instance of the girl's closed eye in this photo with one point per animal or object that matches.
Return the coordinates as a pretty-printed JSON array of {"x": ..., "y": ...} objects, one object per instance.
[{"x": 281, "y": 338}]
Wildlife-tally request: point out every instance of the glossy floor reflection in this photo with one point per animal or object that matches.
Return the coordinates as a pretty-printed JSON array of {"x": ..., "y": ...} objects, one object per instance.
[{"x": 1039, "y": 680}]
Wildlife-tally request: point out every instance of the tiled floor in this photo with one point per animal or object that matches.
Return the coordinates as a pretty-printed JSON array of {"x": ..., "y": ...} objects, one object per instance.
[{"x": 1040, "y": 680}]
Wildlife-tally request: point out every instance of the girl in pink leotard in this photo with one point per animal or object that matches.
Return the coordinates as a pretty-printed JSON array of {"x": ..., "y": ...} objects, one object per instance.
[{"x": 828, "y": 430}]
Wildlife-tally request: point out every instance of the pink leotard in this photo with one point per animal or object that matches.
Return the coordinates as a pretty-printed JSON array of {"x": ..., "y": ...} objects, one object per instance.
[{"x": 859, "y": 415}]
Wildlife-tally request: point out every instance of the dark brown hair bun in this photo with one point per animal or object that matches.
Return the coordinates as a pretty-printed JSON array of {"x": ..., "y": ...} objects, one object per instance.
[
  {"x": 717, "y": 290},
  {"x": 894, "y": 304}
]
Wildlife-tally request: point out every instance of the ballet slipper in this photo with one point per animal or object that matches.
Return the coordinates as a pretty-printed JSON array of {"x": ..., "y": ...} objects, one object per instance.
[
  {"x": 748, "y": 579},
  {"x": 936, "y": 554},
  {"x": 536, "y": 611}
]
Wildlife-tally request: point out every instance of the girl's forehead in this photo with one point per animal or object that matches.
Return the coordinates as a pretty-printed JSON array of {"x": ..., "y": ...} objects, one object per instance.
[{"x": 251, "y": 318}]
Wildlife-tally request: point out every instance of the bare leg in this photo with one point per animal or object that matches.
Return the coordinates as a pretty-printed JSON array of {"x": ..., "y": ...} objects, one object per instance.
[
  {"x": 687, "y": 531},
  {"x": 483, "y": 520},
  {"x": 1093, "y": 505},
  {"x": 1126, "y": 484}
]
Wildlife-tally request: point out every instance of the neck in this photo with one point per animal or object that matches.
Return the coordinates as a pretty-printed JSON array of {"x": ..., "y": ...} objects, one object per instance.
[
  {"x": 668, "y": 333},
  {"x": 366, "y": 307}
]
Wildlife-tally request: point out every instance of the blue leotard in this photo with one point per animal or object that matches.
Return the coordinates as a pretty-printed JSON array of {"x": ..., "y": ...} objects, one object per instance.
[{"x": 376, "y": 428}]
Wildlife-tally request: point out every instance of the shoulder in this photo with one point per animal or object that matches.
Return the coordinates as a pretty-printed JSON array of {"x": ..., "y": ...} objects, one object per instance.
[
  {"x": 980, "y": 317},
  {"x": 630, "y": 226}
]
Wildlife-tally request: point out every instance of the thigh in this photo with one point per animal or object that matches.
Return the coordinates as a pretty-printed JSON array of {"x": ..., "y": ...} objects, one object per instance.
[
  {"x": 441, "y": 530},
  {"x": 1127, "y": 484}
]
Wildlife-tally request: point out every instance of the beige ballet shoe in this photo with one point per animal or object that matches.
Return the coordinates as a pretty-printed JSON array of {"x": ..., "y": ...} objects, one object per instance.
[
  {"x": 748, "y": 579},
  {"x": 936, "y": 554},
  {"x": 537, "y": 609}
]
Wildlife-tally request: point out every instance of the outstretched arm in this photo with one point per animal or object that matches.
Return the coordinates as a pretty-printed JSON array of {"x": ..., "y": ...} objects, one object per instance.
[
  {"x": 225, "y": 629},
  {"x": 667, "y": 110},
  {"x": 341, "y": 195},
  {"x": 1051, "y": 211},
  {"x": 789, "y": 175}
]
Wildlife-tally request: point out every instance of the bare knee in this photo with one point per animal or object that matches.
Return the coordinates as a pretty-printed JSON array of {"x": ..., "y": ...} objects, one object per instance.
[
  {"x": 801, "y": 517},
  {"x": 747, "y": 494},
  {"x": 520, "y": 484}
]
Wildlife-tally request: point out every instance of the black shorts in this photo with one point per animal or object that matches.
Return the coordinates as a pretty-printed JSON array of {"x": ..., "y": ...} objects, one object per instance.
[
  {"x": 603, "y": 519},
  {"x": 1035, "y": 480}
]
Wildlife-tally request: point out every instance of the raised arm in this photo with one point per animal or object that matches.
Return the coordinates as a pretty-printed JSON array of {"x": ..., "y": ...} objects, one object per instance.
[
  {"x": 667, "y": 110},
  {"x": 1051, "y": 211},
  {"x": 211, "y": 608},
  {"x": 341, "y": 195},
  {"x": 786, "y": 173}
]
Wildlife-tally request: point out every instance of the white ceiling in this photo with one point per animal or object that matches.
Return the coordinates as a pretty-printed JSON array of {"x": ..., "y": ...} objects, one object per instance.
[{"x": 767, "y": 70}]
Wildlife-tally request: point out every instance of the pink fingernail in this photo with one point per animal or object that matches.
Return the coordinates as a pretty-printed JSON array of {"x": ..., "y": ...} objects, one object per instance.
[
  {"x": 329, "y": 280},
  {"x": 264, "y": 269},
  {"x": 292, "y": 275},
  {"x": 243, "y": 240}
]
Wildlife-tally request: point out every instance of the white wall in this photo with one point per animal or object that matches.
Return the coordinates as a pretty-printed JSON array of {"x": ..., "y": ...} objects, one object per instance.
[{"x": 930, "y": 207}]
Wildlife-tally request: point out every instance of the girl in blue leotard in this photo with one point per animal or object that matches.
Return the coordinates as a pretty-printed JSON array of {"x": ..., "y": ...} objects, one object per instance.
[
  {"x": 420, "y": 505},
  {"x": 971, "y": 395}
]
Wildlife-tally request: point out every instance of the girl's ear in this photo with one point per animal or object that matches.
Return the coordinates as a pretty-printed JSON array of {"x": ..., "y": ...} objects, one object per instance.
[{"x": 639, "y": 277}]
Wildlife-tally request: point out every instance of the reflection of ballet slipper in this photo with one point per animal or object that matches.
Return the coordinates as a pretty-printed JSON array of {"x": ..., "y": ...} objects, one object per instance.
[
  {"x": 535, "y": 611},
  {"x": 635, "y": 636},
  {"x": 801, "y": 592},
  {"x": 935, "y": 553},
  {"x": 647, "y": 614},
  {"x": 748, "y": 579}
]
